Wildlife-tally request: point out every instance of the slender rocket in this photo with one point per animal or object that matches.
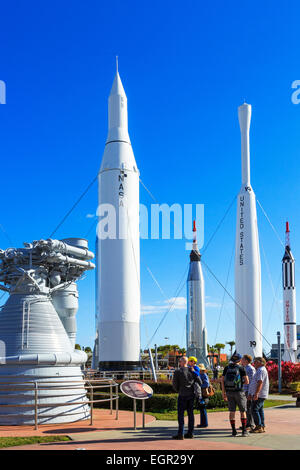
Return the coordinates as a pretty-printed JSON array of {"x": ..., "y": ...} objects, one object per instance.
[
  {"x": 118, "y": 254},
  {"x": 248, "y": 321},
  {"x": 196, "y": 331},
  {"x": 289, "y": 301}
]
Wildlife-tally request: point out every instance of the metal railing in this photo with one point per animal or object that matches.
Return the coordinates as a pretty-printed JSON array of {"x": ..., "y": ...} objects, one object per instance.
[
  {"x": 128, "y": 375},
  {"x": 36, "y": 387}
]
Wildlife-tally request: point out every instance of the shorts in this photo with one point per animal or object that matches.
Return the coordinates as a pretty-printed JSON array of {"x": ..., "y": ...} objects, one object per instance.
[{"x": 237, "y": 399}]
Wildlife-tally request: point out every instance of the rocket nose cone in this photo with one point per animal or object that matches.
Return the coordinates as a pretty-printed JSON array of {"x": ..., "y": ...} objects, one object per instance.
[
  {"x": 117, "y": 86},
  {"x": 244, "y": 113}
]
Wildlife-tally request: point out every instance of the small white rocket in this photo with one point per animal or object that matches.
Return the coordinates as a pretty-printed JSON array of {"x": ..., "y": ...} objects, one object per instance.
[
  {"x": 118, "y": 257},
  {"x": 196, "y": 336},
  {"x": 289, "y": 301},
  {"x": 248, "y": 321}
]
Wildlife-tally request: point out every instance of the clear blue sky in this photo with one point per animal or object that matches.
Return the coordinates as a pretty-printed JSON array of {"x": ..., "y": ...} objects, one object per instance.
[{"x": 186, "y": 67}]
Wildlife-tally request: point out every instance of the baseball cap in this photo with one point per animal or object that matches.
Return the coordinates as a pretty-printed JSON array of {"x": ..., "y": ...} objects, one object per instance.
[
  {"x": 193, "y": 358},
  {"x": 236, "y": 358}
]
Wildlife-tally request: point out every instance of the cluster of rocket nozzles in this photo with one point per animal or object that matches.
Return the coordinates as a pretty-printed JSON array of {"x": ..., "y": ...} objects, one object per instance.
[{"x": 118, "y": 274}]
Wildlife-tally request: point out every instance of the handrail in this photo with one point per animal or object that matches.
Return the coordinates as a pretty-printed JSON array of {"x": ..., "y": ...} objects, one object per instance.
[
  {"x": 37, "y": 387},
  {"x": 127, "y": 375}
]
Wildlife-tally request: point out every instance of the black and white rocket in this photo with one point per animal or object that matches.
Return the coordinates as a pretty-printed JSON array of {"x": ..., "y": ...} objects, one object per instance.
[
  {"x": 196, "y": 336},
  {"x": 289, "y": 301}
]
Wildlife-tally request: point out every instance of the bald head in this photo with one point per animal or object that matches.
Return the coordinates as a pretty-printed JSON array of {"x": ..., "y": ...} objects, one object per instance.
[{"x": 183, "y": 362}]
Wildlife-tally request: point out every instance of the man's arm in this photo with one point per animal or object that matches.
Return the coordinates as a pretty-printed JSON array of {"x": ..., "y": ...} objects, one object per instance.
[
  {"x": 175, "y": 382},
  {"x": 246, "y": 380},
  {"x": 244, "y": 376},
  {"x": 223, "y": 388},
  {"x": 258, "y": 389},
  {"x": 198, "y": 380}
]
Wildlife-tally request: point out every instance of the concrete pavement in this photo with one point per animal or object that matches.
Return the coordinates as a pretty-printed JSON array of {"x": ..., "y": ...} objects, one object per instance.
[{"x": 283, "y": 433}]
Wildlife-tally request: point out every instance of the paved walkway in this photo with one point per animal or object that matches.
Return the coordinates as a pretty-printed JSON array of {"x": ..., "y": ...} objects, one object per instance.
[
  {"x": 283, "y": 433},
  {"x": 102, "y": 420},
  {"x": 282, "y": 397}
]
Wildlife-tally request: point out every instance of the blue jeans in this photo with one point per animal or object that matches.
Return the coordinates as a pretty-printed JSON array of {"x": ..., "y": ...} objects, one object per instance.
[
  {"x": 203, "y": 415},
  {"x": 257, "y": 410},
  {"x": 185, "y": 403}
]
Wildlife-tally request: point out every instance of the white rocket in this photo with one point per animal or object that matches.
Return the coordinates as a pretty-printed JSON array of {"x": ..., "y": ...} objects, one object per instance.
[
  {"x": 248, "y": 321},
  {"x": 289, "y": 301},
  {"x": 118, "y": 257},
  {"x": 196, "y": 336}
]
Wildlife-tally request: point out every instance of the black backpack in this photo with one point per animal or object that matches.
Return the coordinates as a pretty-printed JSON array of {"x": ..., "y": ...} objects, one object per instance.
[{"x": 233, "y": 379}]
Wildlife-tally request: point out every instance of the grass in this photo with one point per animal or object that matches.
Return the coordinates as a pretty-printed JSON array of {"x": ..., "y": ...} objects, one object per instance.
[
  {"x": 21, "y": 441},
  {"x": 172, "y": 415}
]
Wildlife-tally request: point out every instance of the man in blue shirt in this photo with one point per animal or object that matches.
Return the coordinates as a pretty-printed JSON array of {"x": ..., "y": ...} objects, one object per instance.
[{"x": 250, "y": 371}]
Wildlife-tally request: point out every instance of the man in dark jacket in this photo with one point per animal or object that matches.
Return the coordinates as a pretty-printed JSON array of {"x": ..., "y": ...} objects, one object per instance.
[{"x": 188, "y": 386}]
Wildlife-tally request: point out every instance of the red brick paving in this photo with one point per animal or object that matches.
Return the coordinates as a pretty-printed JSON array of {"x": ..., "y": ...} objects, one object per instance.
[{"x": 102, "y": 421}]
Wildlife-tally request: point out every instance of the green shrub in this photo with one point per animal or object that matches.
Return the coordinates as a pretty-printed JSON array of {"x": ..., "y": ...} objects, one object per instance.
[
  {"x": 295, "y": 386},
  {"x": 158, "y": 403},
  {"x": 217, "y": 401}
]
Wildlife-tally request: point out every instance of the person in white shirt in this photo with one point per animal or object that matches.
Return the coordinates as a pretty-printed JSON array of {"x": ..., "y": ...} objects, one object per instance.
[{"x": 257, "y": 393}]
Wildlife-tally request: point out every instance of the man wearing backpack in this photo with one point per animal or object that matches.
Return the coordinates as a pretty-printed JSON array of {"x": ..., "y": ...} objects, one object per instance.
[{"x": 233, "y": 379}]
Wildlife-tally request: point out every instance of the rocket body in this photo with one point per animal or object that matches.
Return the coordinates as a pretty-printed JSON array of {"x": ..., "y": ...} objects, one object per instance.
[
  {"x": 289, "y": 304},
  {"x": 248, "y": 320},
  {"x": 196, "y": 330},
  {"x": 118, "y": 253}
]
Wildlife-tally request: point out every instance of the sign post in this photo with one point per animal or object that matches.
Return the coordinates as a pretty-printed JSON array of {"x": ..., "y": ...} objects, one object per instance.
[
  {"x": 137, "y": 390},
  {"x": 279, "y": 361}
]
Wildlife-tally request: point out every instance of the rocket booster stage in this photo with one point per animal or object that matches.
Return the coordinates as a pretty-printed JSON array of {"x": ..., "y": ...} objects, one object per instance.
[
  {"x": 289, "y": 301},
  {"x": 196, "y": 331},
  {"x": 118, "y": 288},
  {"x": 248, "y": 322}
]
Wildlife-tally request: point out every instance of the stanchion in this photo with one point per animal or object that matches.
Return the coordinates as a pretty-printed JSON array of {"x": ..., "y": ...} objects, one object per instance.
[
  {"x": 110, "y": 394},
  {"x": 117, "y": 403},
  {"x": 134, "y": 413},
  {"x": 35, "y": 405},
  {"x": 92, "y": 403},
  {"x": 143, "y": 410}
]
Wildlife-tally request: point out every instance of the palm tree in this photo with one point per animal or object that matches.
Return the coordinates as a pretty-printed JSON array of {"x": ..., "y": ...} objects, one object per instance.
[
  {"x": 212, "y": 350},
  {"x": 218, "y": 347},
  {"x": 231, "y": 344}
]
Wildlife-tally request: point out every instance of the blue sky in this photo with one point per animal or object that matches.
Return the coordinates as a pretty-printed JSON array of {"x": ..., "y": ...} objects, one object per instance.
[{"x": 185, "y": 67}]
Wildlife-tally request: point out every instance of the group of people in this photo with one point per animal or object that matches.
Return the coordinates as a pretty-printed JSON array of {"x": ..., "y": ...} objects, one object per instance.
[{"x": 244, "y": 385}]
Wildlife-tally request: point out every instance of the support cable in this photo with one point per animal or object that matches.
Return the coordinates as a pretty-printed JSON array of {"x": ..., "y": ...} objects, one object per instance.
[
  {"x": 272, "y": 226},
  {"x": 224, "y": 293},
  {"x": 232, "y": 298},
  {"x": 178, "y": 291},
  {"x": 74, "y": 205}
]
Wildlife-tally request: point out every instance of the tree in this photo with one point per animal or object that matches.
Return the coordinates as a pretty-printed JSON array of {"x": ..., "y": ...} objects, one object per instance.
[
  {"x": 164, "y": 350},
  {"x": 77, "y": 346},
  {"x": 218, "y": 347},
  {"x": 212, "y": 350},
  {"x": 231, "y": 344},
  {"x": 87, "y": 349}
]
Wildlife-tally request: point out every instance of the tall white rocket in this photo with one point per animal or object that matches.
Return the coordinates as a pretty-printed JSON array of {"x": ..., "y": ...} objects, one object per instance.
[
  {"x": 289, "y": 301},
  {"x": 248, "y": 321},
  {"x": 118, "y": 288},
  {"x": 196, "y": 337}
]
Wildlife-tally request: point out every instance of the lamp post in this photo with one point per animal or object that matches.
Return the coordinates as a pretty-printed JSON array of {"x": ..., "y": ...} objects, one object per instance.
[{"x": 279, "y": 362}]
